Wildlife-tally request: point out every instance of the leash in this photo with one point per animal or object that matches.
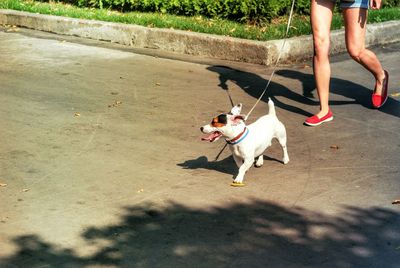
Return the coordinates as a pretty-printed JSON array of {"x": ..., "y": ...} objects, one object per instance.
[
  {"x": 277, "y": 60},
  {"x": 272, "y": 74}
]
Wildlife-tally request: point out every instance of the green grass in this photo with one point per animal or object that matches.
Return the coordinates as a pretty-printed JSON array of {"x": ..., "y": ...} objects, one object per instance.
[{"x": 268, "y": 31}]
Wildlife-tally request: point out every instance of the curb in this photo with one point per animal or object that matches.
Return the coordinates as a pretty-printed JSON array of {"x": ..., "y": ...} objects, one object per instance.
[{"x": 196, "y": 44}]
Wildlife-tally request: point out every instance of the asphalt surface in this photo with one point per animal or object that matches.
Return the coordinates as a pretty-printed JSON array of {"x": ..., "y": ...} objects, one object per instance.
[{"x": 102, "y": 163}]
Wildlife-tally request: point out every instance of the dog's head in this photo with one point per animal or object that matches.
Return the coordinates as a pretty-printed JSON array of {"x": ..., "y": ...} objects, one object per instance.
[{"x": 226, "y": 125}]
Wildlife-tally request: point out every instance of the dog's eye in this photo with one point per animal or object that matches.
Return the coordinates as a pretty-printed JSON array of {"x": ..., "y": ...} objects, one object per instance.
[{"x": 217, "y": 124}]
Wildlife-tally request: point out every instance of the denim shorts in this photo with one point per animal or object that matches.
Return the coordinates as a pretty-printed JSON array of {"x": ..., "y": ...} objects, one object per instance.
[{"x": 355, "y": 3}]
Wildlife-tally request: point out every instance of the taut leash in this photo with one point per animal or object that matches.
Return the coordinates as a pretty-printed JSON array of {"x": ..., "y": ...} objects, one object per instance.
[{"x": 277, "y": 60}]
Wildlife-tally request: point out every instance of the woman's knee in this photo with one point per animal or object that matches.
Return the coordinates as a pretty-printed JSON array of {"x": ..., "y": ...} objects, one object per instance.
[
  {"x": 355, "y": 52},
  {"x": 321, "y": 46}
]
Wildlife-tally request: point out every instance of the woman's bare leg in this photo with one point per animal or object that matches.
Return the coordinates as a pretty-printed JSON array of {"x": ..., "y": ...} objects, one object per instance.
[
  {"x": 321, "y": 18},
  {"x": 355, "y": 20}
]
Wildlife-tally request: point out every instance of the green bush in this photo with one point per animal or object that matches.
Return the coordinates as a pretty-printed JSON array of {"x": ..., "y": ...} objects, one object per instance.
[
  {"x": 236, "y": 10},
  {"x": 391, "y": 3}
]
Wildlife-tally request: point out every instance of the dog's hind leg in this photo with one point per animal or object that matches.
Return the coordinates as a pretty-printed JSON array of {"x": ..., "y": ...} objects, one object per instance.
[
  {"x": 259, "y": 161},
  {"x": 282, "y": 142}
]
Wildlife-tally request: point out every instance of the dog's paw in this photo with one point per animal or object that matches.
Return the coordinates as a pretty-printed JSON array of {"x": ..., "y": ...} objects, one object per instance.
[
  {"x": 259, "y": 162},
  {"x": 238, "y": 180},
  {"x": 285, "y": 160},
  {"x": 258, "y": 165}
]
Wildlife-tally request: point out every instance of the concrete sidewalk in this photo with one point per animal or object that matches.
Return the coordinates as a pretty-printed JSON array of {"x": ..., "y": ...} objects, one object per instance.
[
  {"x": 196, "y": 44},
  {"x": 104, "y": 167}
]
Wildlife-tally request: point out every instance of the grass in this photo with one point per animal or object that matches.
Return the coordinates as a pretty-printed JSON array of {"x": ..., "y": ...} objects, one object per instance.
[{"x": 268, "y": 31}]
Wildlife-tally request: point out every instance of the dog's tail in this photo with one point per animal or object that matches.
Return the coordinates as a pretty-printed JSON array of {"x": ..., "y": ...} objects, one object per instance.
[{"x": 271, "y": 107}]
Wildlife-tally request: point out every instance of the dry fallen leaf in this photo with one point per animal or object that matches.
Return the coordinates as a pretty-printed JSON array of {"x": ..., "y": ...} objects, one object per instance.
[
  {"x": 115, "y": 104},
  {"x": 12, "y": 28},
  {"x": 396, "y": 202},
  {"x": 397, "y": 94}
]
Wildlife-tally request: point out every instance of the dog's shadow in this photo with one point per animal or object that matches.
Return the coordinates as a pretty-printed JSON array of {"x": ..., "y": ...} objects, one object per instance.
[{"x": 226, "y": 165}]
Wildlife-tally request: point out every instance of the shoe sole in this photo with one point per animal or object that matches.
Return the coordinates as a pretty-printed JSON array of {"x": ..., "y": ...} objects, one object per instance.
[
  {"x": 383, "y": 103},
  {"x": 317, "y": 124}
]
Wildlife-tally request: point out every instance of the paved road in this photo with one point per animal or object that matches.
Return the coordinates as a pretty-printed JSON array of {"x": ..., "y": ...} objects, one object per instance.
[{"x": 101, "y": 153}]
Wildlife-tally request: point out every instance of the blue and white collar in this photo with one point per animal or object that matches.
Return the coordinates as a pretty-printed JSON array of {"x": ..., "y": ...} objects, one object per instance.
[{"x": 239, "y": 137}]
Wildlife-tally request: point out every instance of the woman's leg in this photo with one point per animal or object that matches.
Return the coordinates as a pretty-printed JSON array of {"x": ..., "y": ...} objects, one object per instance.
[
  {"x": 321, "y": 18},
  {"x": 355, "y": 20}
]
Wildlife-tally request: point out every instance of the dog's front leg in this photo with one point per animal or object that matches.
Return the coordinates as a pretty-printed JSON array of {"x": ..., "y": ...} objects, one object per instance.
[
  {"x": 248, "y": 162},
  {"x": 238, "y": 160}
]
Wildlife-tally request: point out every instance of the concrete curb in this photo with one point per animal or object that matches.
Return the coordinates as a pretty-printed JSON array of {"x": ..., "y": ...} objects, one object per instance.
[{"x": 197, "y": 44}]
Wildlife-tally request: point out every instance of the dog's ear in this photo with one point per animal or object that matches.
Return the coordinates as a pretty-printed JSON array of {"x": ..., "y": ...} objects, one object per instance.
[
  {"x": 236, "y": 109},
  {"x": 238, "y": 118}
]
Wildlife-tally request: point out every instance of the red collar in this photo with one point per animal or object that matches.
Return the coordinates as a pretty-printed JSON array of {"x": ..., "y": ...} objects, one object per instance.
[{"x": 236, "y": 140}]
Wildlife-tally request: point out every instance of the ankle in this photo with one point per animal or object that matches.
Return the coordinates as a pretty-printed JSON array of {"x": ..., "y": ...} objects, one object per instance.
[
  {"x": 379, "y": 78},
  {"x": 379, "y": 83},
  {"x": 323, "y": 111}
]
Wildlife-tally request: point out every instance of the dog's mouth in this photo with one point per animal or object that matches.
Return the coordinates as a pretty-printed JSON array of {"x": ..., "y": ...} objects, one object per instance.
[{"x": 212, "y": 137}]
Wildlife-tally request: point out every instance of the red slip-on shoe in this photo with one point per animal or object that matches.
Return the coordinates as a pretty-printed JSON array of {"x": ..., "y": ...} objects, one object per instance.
[
  {"x": 315, "y": 121},
  {"x": 379, "y": 100}
]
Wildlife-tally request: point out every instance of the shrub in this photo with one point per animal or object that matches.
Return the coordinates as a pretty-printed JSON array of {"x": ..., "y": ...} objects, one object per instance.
[
  {"x": 236, "y": 10},
  {"x": 391, "y": 3}
]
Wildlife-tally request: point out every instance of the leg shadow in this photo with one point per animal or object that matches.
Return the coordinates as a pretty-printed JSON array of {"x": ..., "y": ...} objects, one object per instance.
[
  {"x": 359, "y": 94},
  {"x": 254, "y": 84}
]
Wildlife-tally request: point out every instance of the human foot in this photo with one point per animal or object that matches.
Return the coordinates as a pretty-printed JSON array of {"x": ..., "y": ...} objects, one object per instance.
[
  {"x": 317, "y": 119},
  {"x": 380, "y": 94}
]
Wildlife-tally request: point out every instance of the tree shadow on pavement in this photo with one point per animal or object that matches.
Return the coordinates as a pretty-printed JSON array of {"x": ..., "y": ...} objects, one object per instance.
[
  {"x": 254, "y": 84},
  {"x": 252, "y": 234}
]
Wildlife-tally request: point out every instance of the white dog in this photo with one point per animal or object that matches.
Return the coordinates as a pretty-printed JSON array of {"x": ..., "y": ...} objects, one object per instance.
[{"x": 247, "y": 143}]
